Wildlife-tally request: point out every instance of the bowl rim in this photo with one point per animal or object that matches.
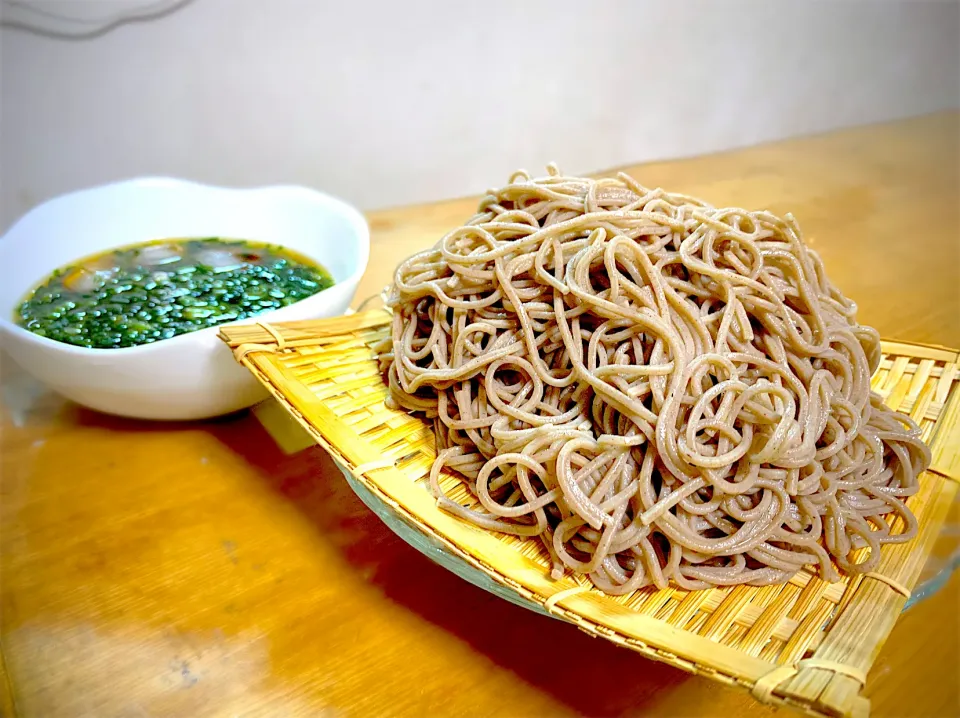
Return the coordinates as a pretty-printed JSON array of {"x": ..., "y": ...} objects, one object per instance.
[{"x": 358, "y": 222}]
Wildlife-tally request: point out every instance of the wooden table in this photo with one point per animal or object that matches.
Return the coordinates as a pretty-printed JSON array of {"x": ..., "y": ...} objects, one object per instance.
[{"x": 196, "y": 569}]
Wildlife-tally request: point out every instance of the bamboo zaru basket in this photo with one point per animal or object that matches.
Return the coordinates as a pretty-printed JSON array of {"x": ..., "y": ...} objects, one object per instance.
[{"x": 807, "y": 643}]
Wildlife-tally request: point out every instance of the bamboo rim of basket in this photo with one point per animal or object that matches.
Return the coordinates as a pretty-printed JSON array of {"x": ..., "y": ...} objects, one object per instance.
[{"x": 826, "y": 682}]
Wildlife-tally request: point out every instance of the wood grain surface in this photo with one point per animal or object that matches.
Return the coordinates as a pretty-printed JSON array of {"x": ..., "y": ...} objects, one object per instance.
[{"x": 196, "y": 569}]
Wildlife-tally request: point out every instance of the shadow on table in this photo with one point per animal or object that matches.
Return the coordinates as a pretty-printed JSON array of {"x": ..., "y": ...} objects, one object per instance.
[{"x": 589, "y": 675}]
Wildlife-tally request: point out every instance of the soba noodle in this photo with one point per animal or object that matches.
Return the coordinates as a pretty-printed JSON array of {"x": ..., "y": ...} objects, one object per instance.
[{"x": 657, "y": 389}]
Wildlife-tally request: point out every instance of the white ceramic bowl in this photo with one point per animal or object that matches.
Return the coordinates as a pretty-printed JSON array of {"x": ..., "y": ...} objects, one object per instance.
[{"x": 194, "y": 375}]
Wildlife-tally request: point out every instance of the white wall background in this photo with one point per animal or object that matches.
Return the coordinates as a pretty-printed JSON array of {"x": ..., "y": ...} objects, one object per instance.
[{"x": 389, "y": 102}]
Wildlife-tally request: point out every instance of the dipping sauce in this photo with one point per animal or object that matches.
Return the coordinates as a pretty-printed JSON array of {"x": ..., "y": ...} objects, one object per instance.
[{"x": 156, "y": 290}]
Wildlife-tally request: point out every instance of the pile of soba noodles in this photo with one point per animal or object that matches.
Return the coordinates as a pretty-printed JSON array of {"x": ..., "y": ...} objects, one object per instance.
[{"x": 657, "y": 389}]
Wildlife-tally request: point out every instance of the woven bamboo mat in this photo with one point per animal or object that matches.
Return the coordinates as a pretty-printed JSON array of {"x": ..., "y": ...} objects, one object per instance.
[{"x": 807, "y": 643}]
